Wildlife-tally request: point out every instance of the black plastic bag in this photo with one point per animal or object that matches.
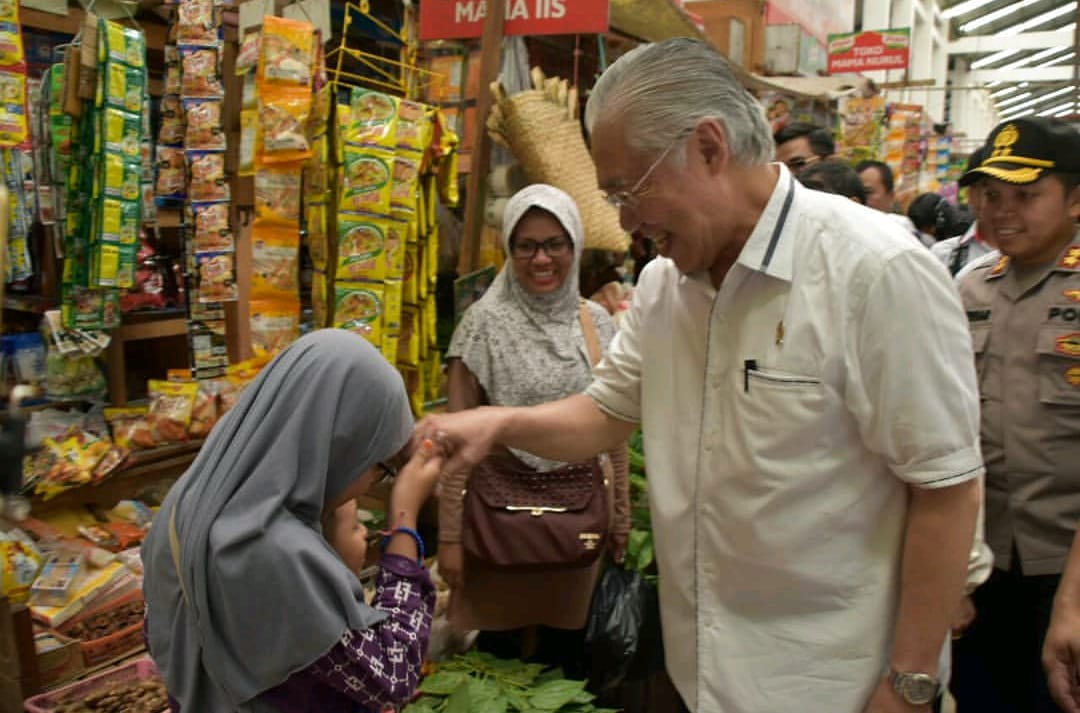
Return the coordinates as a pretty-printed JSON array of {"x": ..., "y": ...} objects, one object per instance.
[{"x": 613, "y": 634}]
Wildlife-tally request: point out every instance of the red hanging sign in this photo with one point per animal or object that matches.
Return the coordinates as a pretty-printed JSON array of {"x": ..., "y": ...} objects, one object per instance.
[
  {"x": 459, "y": 19},
  {"x": 870, "y": 50}
]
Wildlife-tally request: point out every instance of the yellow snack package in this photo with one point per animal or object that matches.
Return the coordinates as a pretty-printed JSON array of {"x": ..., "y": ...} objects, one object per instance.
[
  {"x": 431, "y": 322},
  {"x": 277, "y": 194},
  {"x": 318, "y": 299},
  {"x": 373, "y": 119},
  {"x": 13, "y": 123},
  {"x": 404, "y": 193},
  {"x": 287, "y": 52},
  {"x": 367, "y": 183},
  {"x": 275, "y": 263},
  {"x": 317, "y": 178},
  {"x": 431, "y": 259},
  {"x": 414, "y": 387},
  {"x": 316, "y": 236},
  {"x": 283, "y": 115},
  {"x": 409, "y": 336},
  {"x": 20, "y": 562},
  {"x": 390, "y": 346},
  {"x": 392, "y": 303},
  {"x": 358, "y": 307},
  {"x": 410, "y": 278},
  {"x": 433, "y": 377},
  {"x": 361, "y": 244},
  {"x": 340, "y": 126},
  {"x": 275, "y": 324},
  {"x": 11, "y": 44},
  {"x": 410, "y": 128},
  {"x": 319, "y": 121},
  {"x": 420, "y": 272},
  {"x": 171, "y": 406},
  {"x": 249, "y": 131},
  {"x": 397, "y": 236}
]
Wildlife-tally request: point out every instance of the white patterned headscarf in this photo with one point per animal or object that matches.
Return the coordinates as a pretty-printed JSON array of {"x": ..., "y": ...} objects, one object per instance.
[{"x": 528, "y": 349}]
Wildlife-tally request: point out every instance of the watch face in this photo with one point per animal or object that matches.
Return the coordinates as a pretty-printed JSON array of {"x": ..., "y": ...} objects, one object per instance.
[{"x": 916, "y": 688}]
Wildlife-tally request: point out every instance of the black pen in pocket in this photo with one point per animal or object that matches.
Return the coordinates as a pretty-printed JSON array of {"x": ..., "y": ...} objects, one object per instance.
[{"x": 748, "y": 366}]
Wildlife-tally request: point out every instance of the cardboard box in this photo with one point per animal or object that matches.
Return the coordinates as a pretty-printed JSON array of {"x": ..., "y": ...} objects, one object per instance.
[{"x": 59, "y": 658}]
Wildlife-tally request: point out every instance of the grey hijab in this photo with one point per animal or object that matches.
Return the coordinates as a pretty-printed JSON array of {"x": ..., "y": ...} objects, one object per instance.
[
  {"x": 527, "y": 349},
  {"x": 261, "y": 594}
]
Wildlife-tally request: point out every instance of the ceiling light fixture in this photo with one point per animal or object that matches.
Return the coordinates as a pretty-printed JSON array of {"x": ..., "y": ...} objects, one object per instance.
[
  {"x": 991, "y": 59},
  {"x": 964, "y": 8},
  {"x": 996, "y": 15},
  {"x": 1066, "y": 9},
  {"x": 1012, "y": 100}
]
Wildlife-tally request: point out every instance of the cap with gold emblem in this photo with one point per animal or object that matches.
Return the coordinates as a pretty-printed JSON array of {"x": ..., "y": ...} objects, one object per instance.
[{"x": 1024, "y": 150}]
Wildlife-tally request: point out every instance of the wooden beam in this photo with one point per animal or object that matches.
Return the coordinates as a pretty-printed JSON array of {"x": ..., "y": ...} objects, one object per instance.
[
  {"x": 490, "y": 61},
  {"x": 69, "y": 24}
]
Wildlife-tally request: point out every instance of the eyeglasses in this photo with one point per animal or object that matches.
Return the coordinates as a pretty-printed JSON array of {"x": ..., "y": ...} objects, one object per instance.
[
  {"x": 386, "y": 472},
  {"x": 628, "y": 198},
  {"x": 552, "y": 247},
  {"x": 797, "y": 163}
]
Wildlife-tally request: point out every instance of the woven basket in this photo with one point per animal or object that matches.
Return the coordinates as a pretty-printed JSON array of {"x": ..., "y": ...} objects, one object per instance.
[{"x": 545, "y": 137}]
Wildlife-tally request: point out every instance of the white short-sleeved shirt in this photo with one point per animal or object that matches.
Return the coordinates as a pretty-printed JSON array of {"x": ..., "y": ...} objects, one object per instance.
[
  {"x": 945, "y": 250},
  {"x": 783, "y": 416}
]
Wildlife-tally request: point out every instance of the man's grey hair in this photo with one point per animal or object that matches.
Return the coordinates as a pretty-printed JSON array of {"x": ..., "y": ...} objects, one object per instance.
[{"x": 663, "y": 90}]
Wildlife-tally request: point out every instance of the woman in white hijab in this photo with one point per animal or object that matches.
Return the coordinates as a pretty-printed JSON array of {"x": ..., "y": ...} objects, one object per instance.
[
  {"x": 251, "y": 606},
  {"x": 522, "y": 344}
]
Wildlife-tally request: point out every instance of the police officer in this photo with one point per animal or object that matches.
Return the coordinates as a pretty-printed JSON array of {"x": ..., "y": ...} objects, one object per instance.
[{"x": 1024, "y": 311}]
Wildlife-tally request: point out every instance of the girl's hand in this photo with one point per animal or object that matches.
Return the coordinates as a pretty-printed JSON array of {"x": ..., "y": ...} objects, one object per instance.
[{"x": 414, "y": 484}]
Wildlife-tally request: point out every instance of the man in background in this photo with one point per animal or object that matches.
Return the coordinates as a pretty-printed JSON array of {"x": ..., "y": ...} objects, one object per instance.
[
  {"x": 832, "y": 176},
  {"x": 966, "y": 249},
  {"x": 800, "y": 145}
]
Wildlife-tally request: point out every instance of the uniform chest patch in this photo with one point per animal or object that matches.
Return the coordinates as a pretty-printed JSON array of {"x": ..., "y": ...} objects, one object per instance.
[
  {"x": 1071, "y": 260},
  {"x": 1073, "y": 295},
  {"x": 1068, "y": 344},
  {"x": 1073, "y": 376},
  {"x": 1063, "y": 314}
]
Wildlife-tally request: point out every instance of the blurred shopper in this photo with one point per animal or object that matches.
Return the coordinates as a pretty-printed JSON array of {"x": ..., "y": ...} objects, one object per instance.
[
  {"x": 834, "y": 177},
  {"x": 799, "y": 145},
  {"x": 935, "y": 218},
  {"x": 966, "y": 249},
  {"x": 877, "y": 179},
  {"x": 1024, "y": 312},
  {"x": 812, "y": 504}
]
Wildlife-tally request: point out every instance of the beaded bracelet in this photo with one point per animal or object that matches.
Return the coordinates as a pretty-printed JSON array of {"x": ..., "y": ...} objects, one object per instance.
[{"x": 387, "y": 534}]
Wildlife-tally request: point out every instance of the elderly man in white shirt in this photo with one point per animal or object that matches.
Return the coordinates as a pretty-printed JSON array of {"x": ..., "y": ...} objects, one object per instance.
[{"x": 803, "y": 376}]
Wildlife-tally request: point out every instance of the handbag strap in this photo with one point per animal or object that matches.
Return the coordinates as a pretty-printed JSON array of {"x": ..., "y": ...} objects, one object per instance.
[{"x": 589, "y": 329}]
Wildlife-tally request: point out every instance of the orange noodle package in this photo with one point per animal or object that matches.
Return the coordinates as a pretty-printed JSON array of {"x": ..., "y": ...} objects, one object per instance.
[
  {"x": 287, "y": 52},
  {"x": 283, "y": 115},
  {"x": 172, "y": 121},
  {"x": 208, "y": 176},
  {"x": 205, "y": 130},
  {"x": 275, "y": 262},
  {"x": 217, "y": 278},
  {"x": 212, "y": 230},
  {"x": 198, "y": 23},
  {"x": 277, "y": 195},
  {"x": 171, "y": 405},
  {"x": 171, "y": 178},
  {"x": 275, "y": 324},
  {"x": 199, "y": 78}
]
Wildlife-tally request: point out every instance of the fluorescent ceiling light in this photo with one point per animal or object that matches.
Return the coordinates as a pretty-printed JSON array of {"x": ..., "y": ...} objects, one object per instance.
[
  {"x": 996, "y": 57},
  {"x": 964, "y": 8},
  {"x": 1037, "y": 57},
  {"x": 1047, "y": 16},
  {"x": 1056, "y": 60},
  {"x": 1065, "y": 112},
  {"x": 996, "y": 15},
  {"x": 993, "y": 83},
  {"x": 1056, "y": 109},
  {"x": 1012, "y": 100},
  {"x": 1003, "y": 92},
  {"x": 1039, "y": 99},
  {"x": 1017, "y": 115}
]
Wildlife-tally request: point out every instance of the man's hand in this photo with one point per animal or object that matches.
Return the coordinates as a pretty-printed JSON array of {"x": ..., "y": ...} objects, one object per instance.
[
  {"x": 1061, "y": 656},
  {"x": 452, "y": 564},
  {"x": 886, "y": 700},
  {"x": 466, "y": 436}
]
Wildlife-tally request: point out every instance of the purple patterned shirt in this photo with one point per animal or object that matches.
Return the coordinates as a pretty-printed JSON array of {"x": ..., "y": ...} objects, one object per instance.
[{"x": 368, "y": 669}]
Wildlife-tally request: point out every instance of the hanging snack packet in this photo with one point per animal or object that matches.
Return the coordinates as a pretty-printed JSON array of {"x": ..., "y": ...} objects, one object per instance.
[
  {"x": 247, "y": 57},
  {"x": 217, "y": 279},
  {"x": 171, "y": 404},
  {"x": 275, "y": 324},
  {"x": 115, "y": 265},
  {"x": 204, "y": 414},
  {"x": 172, "y": 121},
  {"x": 318, "y": 300},
  {"x": 173, "y": 84},
  {"x": 277, "y": 195},
  {"x": 367, "y": 181},
  {"x": 208, "y": 176},
  {"x": 358, "y": 307},
  {"x": 120, "y": 220},
  {"x": 393, "y": 291},
  {"x": 275, "y": 263},
  {"x": 205, "y": 130},
  {"x": 317, "y": 167},
  {"x": 13, "y": 126},
  {"x": 410, "y": 130},
  {"x": 123, "y": 132},
  {"x": 122, "y": 44},
  {"x": 372, "y": 119},
  {"x": 212, "y": 231},
  {"x": 11, "y": 44},
  {"x": 283, "y": 114},
  {"x": 199, "y": 78},
  {"x": 319, "y": 121},
  {"x": 171, "y": 172},
  {"x": 315, "y": 222},
  {"x": 403, "y": 194},
  {"x": 197, "y": 23},
  {"x": 249, "y": 130},
  {"x": 122, "y": 177},
  {"x": 124, "y": 87},
  {"x": 361, "y": 242},
  {"x": 287, "y": 51},
  {"x": 397, "y": 236}
]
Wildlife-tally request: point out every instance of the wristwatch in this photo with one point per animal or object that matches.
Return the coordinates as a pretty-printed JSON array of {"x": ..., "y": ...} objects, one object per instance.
[{"x": 917, "y": 689}]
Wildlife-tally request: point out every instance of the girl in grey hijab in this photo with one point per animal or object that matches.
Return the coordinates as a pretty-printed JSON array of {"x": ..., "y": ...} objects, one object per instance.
[{"x": 249, "y": 608}]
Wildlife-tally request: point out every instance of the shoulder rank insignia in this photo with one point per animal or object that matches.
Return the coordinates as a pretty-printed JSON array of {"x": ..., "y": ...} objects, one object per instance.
[
  {"x": 999, "y": 267},
  {"x": 1071, "y": 259},
  {"x": 1068, "y": 344},
  {"x": 1073, "y": 376},
  {"x": 1073, "y": 295}
]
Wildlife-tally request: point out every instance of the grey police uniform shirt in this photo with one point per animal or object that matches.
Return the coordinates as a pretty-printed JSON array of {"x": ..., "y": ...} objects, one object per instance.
[{"x": 1025, "y": 325}]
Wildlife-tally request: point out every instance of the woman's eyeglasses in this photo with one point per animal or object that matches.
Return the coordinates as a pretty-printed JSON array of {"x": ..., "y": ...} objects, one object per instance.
[{"x": 552, "y": 247}]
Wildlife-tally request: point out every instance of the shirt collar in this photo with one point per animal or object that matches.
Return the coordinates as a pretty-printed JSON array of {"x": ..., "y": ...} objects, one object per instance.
[{"x": 767, "y": 250}]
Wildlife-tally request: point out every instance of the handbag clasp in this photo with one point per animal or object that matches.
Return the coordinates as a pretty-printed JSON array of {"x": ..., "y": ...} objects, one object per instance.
[{"x": 534, "y": 510}]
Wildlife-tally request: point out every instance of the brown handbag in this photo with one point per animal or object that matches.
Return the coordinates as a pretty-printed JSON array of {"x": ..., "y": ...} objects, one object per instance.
[{"x": 516, "y": 517}]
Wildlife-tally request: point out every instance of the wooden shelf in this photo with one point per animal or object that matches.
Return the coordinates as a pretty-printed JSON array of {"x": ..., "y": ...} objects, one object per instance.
[
  {"x": 35, "y": 304},
  {"x": 153, "y": 329},
  {"x": 71, "y": 23}
]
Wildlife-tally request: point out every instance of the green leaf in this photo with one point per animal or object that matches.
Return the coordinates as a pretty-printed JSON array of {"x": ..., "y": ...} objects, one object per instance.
[
  {"x": 646, "y": 555},
  {"x": 584, "y": 697},
  {"x": 419, "y": 706},
  {"x": 443, "y": 683},
  {"x": 553, "y": 695},
  {"x": 459, "y": 701}
]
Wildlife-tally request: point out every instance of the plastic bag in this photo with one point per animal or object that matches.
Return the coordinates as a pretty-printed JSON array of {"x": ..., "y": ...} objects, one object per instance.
[{"x": 613, "y": 632}]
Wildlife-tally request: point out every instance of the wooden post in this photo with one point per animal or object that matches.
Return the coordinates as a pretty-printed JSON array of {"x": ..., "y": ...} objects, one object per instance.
[{"x": 490, "y": 61}]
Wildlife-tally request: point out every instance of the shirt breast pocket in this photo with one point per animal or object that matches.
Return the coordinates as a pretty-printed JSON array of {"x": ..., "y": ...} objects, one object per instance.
[
  {"x": 783, "y": 412},
  {"x": 1059, "y": 371}
]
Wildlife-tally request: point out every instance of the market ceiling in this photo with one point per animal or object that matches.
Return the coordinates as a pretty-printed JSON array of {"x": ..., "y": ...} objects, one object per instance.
[{"x": 1023, "y": 51}]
